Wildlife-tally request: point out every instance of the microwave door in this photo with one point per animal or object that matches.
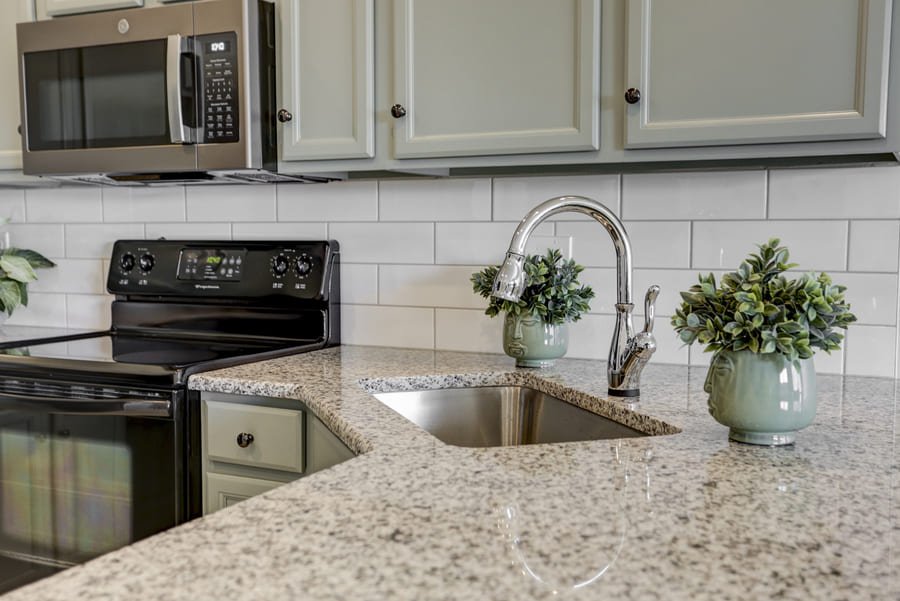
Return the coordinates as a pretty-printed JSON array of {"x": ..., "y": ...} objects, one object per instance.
[{"x": 97, "y": 100}]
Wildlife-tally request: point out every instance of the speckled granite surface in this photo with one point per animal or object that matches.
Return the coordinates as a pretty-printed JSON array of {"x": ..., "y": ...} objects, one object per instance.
[{"x": 681, "y": 516}]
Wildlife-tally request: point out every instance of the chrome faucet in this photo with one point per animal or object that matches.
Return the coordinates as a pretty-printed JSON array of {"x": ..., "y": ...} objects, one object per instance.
[{"x": 628, "y": 353}]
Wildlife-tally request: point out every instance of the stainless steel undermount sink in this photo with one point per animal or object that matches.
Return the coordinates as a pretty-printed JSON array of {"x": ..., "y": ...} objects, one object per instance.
[{"x": 493, "y": 416}]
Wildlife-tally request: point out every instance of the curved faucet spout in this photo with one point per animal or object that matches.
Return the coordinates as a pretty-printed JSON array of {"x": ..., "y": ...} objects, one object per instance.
[{"x": 623, "y": 368}]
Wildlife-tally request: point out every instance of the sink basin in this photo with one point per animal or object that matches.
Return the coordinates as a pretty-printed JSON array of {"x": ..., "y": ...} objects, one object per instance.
[{"x": 494, "y": 416}]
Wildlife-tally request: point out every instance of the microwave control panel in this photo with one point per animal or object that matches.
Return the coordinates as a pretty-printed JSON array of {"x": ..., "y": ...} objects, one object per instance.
[{"x": 218, "y": 54}]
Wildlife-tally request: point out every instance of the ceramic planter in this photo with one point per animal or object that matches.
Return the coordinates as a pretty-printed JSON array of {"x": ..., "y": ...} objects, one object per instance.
[
  {"x": 763, "y": 399},
  {"x": 532, "y": 342}
]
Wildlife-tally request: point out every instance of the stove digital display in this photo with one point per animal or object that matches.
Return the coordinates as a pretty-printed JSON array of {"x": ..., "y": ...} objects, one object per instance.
[{"x": 211, "y": 264}]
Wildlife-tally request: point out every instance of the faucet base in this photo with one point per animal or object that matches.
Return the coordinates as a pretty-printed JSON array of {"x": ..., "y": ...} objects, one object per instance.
[{"x": 624, "y": 393}]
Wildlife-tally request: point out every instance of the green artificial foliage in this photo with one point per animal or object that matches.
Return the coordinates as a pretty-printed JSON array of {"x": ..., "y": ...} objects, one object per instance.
[
  {"x": 552, "y": 290},
  {"x": 757, "y": 308},
  {"x": 16, "y": 270}
]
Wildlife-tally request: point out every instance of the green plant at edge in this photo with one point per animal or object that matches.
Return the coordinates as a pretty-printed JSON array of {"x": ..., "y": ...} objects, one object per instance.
[
  {"x": 757, "y": 308},
  {"x": 552, "y": 290},
  {"x": 16, "y": 270}
]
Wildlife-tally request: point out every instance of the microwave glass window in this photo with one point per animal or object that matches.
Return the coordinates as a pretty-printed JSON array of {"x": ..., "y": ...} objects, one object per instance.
[{"x": 97, "y": 97}]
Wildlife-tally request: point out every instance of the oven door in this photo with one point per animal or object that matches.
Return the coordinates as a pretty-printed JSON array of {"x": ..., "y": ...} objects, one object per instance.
[
  {"x": 81, "y": 476},
  {"x": 108, "y": 92}
]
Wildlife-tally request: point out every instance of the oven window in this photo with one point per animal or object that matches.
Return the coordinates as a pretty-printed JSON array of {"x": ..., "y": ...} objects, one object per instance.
[
  {"x": 73, "y": 487},
  {"x": 97, "y": 97}
]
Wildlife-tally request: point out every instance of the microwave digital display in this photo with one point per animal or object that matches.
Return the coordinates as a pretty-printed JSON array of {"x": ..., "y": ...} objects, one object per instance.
[{"x": 218, "y": 46}]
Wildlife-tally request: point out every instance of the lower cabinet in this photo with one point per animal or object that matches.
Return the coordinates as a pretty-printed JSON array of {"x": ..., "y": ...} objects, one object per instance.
[{"x": 253, "y": 444}]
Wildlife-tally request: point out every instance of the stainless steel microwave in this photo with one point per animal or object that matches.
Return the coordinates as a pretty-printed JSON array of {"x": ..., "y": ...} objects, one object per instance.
[{"x": 170, "y": 94}]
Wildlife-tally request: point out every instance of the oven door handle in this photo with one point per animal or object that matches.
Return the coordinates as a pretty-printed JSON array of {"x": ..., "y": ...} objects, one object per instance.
[
  {"x": 130, "y": 407},
  {"x": 179, "y": 132}
]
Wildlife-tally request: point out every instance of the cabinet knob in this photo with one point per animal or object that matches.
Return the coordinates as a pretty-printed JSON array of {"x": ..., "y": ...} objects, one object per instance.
[
  {"x": 398, "y": 111},
  {"x": 244, "y": 439},
  {"x": 284, "y": 116},
  {"x": 632, "y": 95}
]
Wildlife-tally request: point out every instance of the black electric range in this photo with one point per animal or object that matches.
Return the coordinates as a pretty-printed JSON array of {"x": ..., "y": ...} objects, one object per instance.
[{"x": 99, "y": 435}]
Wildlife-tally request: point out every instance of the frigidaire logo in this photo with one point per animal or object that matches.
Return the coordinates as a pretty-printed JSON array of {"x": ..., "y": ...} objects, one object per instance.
[{"x": 206, "y": 286}]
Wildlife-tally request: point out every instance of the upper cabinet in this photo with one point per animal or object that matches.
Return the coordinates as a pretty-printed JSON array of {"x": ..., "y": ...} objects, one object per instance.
[
  {"x": 485, "y": 77},
  {"x": 57, "y": 8},
  {"x": 738, "y": 72},
  {"x": 10, "y": 141},
  {"x": 327, "y": 86}
]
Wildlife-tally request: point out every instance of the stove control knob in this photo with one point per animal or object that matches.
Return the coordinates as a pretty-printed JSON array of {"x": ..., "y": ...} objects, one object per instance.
[
  {"x": 303, "y": 266},
  {"x": 127, "y": 262},
  {"x": 146, "y": 262},
  {"x": 280, "y": 265}
]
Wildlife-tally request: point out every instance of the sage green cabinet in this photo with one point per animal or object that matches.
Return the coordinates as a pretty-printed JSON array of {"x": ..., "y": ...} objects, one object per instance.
[
  {"x": 253, "y": 444},
  {"x": 738, "y": 72},
  {"x": 18, "y": 11},
  {"x": 486, "y": 77},
  {"x": 327, "y": 87}
]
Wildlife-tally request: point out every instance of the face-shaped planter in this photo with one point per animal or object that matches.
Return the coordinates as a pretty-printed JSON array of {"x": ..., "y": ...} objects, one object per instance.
[
  {"x": 763, "y": 399},
  {"x": 532, "y": 342}
]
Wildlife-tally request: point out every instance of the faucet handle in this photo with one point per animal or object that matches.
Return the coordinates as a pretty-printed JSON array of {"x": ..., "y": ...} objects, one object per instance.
[{"x": 649, "y": 307}]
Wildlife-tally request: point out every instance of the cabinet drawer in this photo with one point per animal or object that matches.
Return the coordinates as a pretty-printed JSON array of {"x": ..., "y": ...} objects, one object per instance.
[
  {"x": 277, "y": 436},
  {"x": 224, "y": 491}
]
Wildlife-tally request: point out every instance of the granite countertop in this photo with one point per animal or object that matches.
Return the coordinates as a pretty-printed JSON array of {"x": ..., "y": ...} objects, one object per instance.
[{"x": 679, "y": 516}]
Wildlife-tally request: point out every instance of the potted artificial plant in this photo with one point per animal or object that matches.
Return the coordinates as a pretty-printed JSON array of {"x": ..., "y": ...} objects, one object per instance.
[
  {"x": 535, "y": 330},
  {"x": 16, "y": 270},
  {"x": 763, "y": 329}
]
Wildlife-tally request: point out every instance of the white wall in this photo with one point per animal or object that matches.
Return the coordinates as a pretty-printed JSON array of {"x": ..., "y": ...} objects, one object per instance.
[{"x": 409, "y": 246}]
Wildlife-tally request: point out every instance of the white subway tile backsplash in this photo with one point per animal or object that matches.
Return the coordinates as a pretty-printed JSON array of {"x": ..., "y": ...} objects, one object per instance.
[
  {"x": 47, "y": 239},
  {"x": 64, "y": 205},
  {"x": 387, "y": 326},
  {"x": 88, "y": 311},
  {"x": 694, "y": 195},
  {"x": 428, "y": 286},
  {"x": 279, "y": 231},
  {"x": 410, "y": 246},
  {"x": 384, "y": 242},
  {"x": 230, "y": 203},
  {"x": 872, "y": 296},
  {"x": 12, "y": 205},
  {"x": 43, "y": 310},
  {"x": 334, "y": 201},
  {"x": 819, "y": 245},
  {"x": 838, "y": 193},
  {"x": 189, "y": 231},
  {"x": 468, "y": 330},
  {"x": 150, "y": 204},
  {"x": 654, "y": 244},
  {"x": 589, "y": 338},
  {"x": 515, "y": 196},
  {"x": 832, "y": 363},
  {"x": 435, "y": 200},
  {"x": 870, "y": 351},
  {"x": 874, "y": 245},
  {"x": 82, "y": 276},
  {"x": 359, "y": 284},
  {"x": 95, "y": 241},
  {"x": 477, "y": 243}
]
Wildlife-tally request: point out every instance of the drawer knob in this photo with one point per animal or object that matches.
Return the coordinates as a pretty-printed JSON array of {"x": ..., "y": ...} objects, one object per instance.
[
  {"x": 397, "y": 111},
  {"x": 632, "y": 96},
  {"x": 284, "y": 116},
  {"x": 244, "y": 439}
]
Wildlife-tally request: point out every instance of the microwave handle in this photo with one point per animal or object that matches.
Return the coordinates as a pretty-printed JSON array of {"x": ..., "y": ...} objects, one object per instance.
[{"x": 180, "y": 133}]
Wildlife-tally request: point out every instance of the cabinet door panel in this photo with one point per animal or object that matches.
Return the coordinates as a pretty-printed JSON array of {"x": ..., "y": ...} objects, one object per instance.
[
  {"x": 10, "y": 141},
  {"x": 480, "y": 77},
  {"x": 327, "y": 79},
  {"x": 54, "y": 8},
  {"x": 737, "y": 72}
]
